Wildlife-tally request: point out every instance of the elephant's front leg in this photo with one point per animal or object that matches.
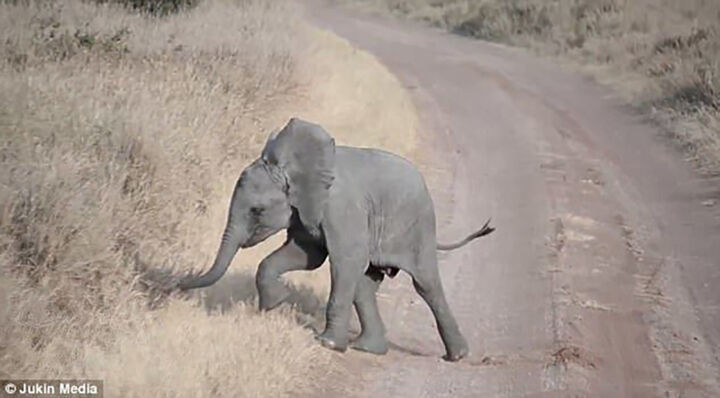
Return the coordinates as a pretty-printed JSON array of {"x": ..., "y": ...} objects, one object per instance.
[
  {"x": 344, "y": 275},
  {"x": 372, "y": 335},
  {"x": 293, "y": 255}
]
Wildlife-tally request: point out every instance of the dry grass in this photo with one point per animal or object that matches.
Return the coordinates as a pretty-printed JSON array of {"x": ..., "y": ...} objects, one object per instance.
[
  {"x": 664, "y": 55},
  {"x": 121, "y": 137}
]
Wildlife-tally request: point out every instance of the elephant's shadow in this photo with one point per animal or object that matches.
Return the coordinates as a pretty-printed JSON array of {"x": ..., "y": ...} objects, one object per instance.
[
  {"x": 234, "y": 288},
  {"x": 239, "y": 287}
]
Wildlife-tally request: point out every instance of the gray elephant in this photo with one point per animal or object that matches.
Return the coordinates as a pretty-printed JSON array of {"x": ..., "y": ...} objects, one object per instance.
[{"x": 368, "y": 210}]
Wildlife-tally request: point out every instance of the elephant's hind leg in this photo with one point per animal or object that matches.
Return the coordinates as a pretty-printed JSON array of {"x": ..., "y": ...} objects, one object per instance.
[
  {"x": 372, "y": 336},
  {"x": 426, "y": 280},
  {"x": 291, "y": 256}
]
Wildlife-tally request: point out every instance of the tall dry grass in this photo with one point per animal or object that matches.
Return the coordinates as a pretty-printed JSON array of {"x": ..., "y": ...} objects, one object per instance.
[
  {"x": 121, "y": 136},
  {"x": 664, "y": 55}
]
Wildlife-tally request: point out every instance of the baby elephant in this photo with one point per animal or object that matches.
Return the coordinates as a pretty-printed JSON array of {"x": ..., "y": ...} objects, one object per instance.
[{"x": 367, "y": 209}]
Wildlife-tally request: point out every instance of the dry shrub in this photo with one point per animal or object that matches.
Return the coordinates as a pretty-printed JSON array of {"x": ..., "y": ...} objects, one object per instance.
[
  {"x": 120, "y": 138},
  {"x": 155, "y": 7},
  {"x": 663, "y": 54}
]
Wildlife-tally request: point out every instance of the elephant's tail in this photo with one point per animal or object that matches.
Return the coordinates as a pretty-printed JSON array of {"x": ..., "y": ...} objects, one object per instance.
[{"x": 485, "y": 230}]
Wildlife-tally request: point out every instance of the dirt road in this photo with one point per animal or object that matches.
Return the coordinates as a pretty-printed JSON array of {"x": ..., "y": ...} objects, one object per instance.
[{"x": 603, "y": 277}]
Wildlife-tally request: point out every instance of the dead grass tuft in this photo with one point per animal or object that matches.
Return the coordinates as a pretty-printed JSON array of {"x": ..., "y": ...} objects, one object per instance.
[{"x": 570, "y": 354}]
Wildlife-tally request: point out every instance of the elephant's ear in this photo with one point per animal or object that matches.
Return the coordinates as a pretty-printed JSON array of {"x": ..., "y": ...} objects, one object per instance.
[{"x": 306, "y": 154}]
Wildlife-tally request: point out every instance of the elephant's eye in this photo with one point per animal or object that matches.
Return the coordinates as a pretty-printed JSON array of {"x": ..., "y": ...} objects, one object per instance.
[{"x": 256, "y": 211}]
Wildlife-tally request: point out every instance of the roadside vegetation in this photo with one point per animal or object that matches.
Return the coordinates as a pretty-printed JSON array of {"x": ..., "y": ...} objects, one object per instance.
[
  {"x": 123, "y": 128},
  {"x": 663, "y": 55}
]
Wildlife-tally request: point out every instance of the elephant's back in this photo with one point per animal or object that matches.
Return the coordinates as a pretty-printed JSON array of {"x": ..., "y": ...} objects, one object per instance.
[
  {"x": 378, "y": 168},
  {"x": 388, "y": 182}
]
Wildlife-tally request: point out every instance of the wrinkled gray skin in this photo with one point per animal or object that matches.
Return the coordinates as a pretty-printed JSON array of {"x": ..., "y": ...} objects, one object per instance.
[{"x": 368, "y": 210}]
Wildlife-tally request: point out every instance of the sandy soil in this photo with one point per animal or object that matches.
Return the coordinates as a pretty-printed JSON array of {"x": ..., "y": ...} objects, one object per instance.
[{"x": 602, "y": 278}]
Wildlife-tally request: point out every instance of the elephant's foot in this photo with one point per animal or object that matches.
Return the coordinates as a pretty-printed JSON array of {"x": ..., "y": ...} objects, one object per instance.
[
  {"x": 272, "y": 295},
  {"x": 372, "y": 344},
  {"x": 457, "y": 351},
  {"x": 332, "y": 342}
]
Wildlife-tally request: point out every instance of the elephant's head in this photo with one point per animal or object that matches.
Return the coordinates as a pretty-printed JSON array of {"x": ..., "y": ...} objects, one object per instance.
[{"x": 295, "y": 171}]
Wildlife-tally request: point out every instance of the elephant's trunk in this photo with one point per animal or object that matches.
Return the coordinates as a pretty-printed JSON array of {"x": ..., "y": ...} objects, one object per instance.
[{"x": 229, "y": 246}]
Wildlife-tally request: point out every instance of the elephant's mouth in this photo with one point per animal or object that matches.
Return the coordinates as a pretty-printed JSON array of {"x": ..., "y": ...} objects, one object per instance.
[{"x": 259, "y": 235}]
